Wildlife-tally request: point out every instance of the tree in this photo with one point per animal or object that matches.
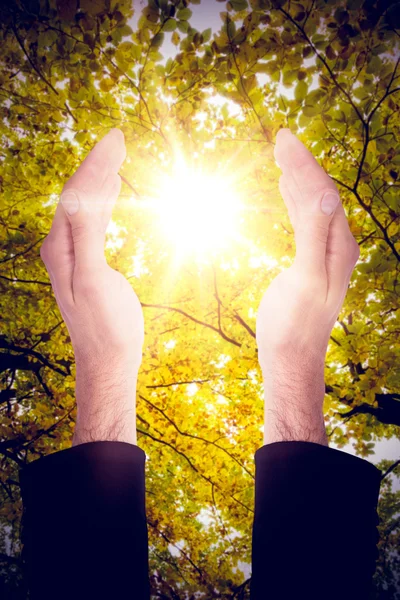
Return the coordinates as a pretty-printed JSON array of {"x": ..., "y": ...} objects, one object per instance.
[{"x": 331, "y": 73}]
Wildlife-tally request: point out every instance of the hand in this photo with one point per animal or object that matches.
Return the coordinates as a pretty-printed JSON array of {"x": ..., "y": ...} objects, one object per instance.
[
  {"x": 102, "y": 312},
  {"x": 300, "y": 307}
]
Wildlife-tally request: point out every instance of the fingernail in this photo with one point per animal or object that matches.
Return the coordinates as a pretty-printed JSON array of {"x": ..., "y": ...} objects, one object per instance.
[
  {"x": 329, "y": 202},
  {"x": 70, "y": 202}
]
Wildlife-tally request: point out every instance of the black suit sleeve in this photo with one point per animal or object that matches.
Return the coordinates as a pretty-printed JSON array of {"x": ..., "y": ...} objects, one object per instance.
[
  {"x": 314, "y": 530},
  {"x": 84, "y": 529}
]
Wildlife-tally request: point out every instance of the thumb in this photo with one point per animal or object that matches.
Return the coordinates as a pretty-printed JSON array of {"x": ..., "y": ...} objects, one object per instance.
[
  {"x": 87, "y": 231},
  {"x": 89, "y": 217},
  {"x": 85, "y": 198},
  {"x": 311, "y": 197}
]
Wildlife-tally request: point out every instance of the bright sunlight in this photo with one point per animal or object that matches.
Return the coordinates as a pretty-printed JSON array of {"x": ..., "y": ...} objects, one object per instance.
[{"x": 198, "y": 211}]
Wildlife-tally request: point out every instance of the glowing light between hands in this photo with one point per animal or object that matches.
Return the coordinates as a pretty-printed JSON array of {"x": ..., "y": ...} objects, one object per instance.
[{"x": 198, "y": 211}]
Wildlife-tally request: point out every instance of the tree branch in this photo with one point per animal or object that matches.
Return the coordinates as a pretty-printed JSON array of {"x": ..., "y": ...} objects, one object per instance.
[
  {"x": 390, "y": 469},
  {"x": 34, "y": 67},
  {"x": 182, "y": 312}
]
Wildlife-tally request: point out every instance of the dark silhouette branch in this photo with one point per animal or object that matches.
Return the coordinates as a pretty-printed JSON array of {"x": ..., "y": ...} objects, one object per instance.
[
  {"x": 130, "y": 186},
  {"x": 3, "y": 260},
  {"x": 321, "y": 58},
  {"x": 392, "y": 467},
  {"x": 185, "y": 314},
  {"x": 172, "y": 383},
  {"x": 14, "y": 280},
  {"x": 34, "y": 67},
  {"x": 245, "y": 325},
  {"x": 175, "y": 546},
  {"x": 10, "y": 361},
  {"x": 387, "y": 411},
  {"x": 195, "y": 437}
]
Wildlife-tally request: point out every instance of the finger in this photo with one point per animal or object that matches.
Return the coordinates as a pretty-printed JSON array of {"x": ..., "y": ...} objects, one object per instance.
[
  {"x": 342, "y": 250},
  {"x": 58, "y": 248},
  {"x": 308, "y": 184},
  {"x": 88, "y": 189},
  {"x": 112, "y": 191},
  {"x": 59, "y": 265},
  {"x": 105, "y": 160},
  {"x": 342, "y": 255},
  {"x": 287, "y": 197}
]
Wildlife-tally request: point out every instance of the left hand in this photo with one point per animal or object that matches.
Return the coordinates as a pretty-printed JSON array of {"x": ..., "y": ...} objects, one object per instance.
[
  {"x": 301, "y": 305},
  {"x": 102, "y": 312}
]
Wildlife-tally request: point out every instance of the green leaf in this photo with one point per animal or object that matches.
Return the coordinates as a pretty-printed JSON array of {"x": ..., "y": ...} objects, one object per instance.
[
  {"x": 175, "y": 39},
  {"x": 262, "y": 68},
  {"x": 169, "y": 25},
  {"x": 183, "y": 26},
  {"x": 300, "y": 91},
  {"x": 379, "y": 49},
  {"x": 238, "y": 5},
  {"x": 80, "y": 137},
  {"x": 18, "y": 237},
  {"x": 157, "y": 40},
  {"x": 231, "y": 28},
  {"x": 126, "y": 30},
  {"x": 311, "y": 111},
  {"x": 207, "y": 34},
  {"x": 330, "y": 53},
  {"x": 289, "y": 77},
  {"x": 184, "y": 14},
  {"x": 316, "y": 96},
  {"x": 126, "y": 46},
  {"x": 287, "y": 38},
  {"x": 374, "y": 65},
  {"x": 106, "y": 84}
]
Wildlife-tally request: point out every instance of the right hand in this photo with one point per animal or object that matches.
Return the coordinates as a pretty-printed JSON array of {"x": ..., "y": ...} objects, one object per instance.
[
  {"x": 101, "y": 310},
  {"x": 300, "y": 307}
]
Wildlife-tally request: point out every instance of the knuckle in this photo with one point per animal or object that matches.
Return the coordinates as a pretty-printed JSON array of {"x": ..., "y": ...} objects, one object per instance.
[
  {"x": 313, "y": 230},
  {"x": 78, "y": 231},
  {"x": 45, "y": 249},
  {"x": 92, "y": 179},
  {"x": 321, "y": 234},
  {"x": 82, "y": 231},
  {"x": 353, "y": 249}
]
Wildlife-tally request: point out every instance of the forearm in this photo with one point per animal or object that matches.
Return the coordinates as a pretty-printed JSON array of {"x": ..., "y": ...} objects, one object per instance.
[
  {"x": 106, "y": 404},
  {"x": 285, "y": 426},
  {"x": 301, "y": 491},
  {"x": 293, "y": 401},
  {"x": 84, "y": 516}
]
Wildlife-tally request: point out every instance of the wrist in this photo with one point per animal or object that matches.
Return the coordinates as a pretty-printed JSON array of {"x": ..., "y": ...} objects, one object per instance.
[
  {"x": 282, "y": 425},
  {"x": 293, "y": 404},
  {"x": 115, "y": 425},
  {"x": 106, "y": 403}
]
